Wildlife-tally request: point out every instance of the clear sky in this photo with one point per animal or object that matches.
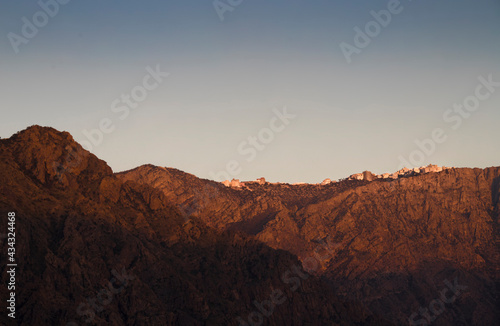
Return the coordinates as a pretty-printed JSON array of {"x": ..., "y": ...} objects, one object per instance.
[{"x": 227, "y": 76}]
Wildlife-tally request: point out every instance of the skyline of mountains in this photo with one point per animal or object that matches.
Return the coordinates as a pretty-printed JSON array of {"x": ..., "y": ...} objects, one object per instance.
[{"x": 361, "y": 251}]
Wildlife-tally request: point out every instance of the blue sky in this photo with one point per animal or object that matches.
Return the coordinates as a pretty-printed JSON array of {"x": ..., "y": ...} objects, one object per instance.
[{"x": 226, "y": 78}]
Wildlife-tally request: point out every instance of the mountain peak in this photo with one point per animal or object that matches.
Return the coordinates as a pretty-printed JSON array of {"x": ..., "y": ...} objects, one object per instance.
[
  {"x": 52, "y": 156},
  {"x": 41, "y": 132}
]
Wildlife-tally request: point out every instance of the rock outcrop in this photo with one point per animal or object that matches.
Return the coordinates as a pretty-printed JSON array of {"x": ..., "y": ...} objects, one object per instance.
[
  {"x": 326, "y": 182},
  {"x": 404, "y": 172},
  {"x": 366, "y": 175},
  {"x": 235, "y": 183}
]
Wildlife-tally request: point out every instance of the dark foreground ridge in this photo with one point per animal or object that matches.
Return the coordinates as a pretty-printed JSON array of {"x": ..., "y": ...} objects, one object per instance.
[{"x": 96, "y": 248}]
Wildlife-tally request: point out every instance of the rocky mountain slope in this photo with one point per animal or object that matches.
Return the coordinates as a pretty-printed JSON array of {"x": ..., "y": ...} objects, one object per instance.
[
  {"x": 96, "y": 248},
  {"x": 394, "y": 244}
]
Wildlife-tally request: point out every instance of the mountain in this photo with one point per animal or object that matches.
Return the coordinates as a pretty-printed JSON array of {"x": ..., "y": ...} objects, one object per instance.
[
  {"x": 94, "y": 247},
  {"x": 416, "y": 248}
]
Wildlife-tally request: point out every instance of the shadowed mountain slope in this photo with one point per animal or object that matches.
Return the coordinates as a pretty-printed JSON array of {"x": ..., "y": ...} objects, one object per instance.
[
  {"x": 94, "y": 248},
  {"x": 397, "y": 243}
]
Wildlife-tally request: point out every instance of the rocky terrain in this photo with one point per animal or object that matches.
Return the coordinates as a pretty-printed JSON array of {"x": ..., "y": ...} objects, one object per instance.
[
  {"x": 418, "y": 249},
  {"x": 366, "y": 175},
  {"x": 156, "y": 246}
]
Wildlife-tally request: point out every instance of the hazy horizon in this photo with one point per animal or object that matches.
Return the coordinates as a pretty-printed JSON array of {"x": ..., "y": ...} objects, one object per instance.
[{"x": 228, "y": 78}]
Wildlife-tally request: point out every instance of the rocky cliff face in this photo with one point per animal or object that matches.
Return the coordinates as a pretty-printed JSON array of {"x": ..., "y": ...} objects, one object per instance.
[
  {"x": 394, "y": 244},
  {"x": 94, "y": 248}
]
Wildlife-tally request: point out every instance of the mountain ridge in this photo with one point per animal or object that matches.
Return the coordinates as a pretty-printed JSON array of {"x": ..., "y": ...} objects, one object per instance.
[
  {"x": 81, "y": 229},
  {"x": 391, "y": 244},
  {"x": 431, "y": 228}
]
